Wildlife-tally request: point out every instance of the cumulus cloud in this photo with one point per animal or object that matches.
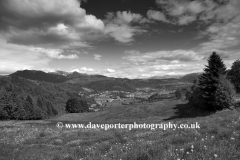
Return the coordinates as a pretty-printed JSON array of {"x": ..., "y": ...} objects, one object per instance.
[
  {"x": 50, "y": 24},
  {"x": 97, "y": 57},
  {"x": 156, "y": 15},
  {"x": 177, "y": 8},
  {"x": 119, "y": 27}
]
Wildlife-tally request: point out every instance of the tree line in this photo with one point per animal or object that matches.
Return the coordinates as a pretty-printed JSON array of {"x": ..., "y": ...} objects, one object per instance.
[{"x": 21, "y": 99}]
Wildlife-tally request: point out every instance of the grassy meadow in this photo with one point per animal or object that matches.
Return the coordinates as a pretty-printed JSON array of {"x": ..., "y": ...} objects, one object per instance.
[{"x": 217, "y": 139}]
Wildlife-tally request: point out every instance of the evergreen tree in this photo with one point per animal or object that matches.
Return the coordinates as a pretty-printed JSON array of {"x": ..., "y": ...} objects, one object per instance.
[
  {"x": 208, "y": 81},
  {"x": 224, "y": 95},
  {"x": 234, "y": 75}
]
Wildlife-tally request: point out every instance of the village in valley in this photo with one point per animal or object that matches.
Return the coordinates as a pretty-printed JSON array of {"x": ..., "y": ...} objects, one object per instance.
[{"x": 111, "y": 98}]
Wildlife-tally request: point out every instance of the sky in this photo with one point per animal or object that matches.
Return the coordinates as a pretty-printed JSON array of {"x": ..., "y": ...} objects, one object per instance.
[{"x": 118, "y": 38}]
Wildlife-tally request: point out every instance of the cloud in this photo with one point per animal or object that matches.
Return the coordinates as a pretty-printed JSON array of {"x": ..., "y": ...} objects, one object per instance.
[
  {"x": 83, "y": 70},
  {"x": 54, "y": 53},
  {"x": 119, "y": 25},
  {"x": 180, "y": 55},
  {"x": 97, "y": 57},
  {"x": 108, "y": 70},
  {"x": 178, "y": 8},
  {"x": 183, "y": 20},
  {"x": 17, "y": 57},
  {"x": 156, "y": 15},
  {"x": 49, "y": 24}
]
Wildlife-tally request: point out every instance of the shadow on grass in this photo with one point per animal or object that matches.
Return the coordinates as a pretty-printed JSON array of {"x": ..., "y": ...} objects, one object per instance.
[{"x": 187, "y": 111}]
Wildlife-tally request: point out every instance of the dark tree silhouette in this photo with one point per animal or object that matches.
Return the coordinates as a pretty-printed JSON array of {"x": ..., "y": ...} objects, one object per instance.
[
  {"x": 210, "y": 86},
  {"x": 75, "y": 105},
  {"x": 234, "y": 75}
]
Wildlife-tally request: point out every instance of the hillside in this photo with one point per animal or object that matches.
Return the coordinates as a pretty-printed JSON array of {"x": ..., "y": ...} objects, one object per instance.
[
  {"x": 16, "y": 92},
  {"x": 40, "y": 76},
  {"x": 190, "y": 77},
  {"x": 217, "y": 137}
]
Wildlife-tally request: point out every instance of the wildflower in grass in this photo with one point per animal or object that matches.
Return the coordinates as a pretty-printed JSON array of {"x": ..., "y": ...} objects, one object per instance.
[
  {"x": 178, "y": 159},
  {"x": 202, "y": 139},
  {"x": 192, "y": 146},
  {"x": 212, "y": 137},
  {"x": 187, "y": 152},
  {"x": 181, "y": 149},
  {"x": 205, "y": 147},
  {"x": 232, "y": 138},
  {"x": 215, "y": 155}
]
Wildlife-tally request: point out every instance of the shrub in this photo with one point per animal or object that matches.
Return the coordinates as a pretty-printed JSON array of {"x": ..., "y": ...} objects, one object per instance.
[{"x": 75, "y": 105}]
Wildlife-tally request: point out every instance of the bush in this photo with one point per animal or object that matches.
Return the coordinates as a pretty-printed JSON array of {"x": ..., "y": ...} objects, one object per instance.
[{"x": 75, "y": 105}]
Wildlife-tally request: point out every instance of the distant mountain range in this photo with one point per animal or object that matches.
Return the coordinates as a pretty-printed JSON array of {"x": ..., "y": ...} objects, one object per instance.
[
  {"x": 100, "y": 82},
  {"x": 166, "y": 77}
]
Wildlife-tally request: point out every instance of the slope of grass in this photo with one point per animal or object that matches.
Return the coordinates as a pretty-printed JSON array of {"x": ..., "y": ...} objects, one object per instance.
[
  {"x": 138, "y": 112},
  {"x": 218, "y": 138}
]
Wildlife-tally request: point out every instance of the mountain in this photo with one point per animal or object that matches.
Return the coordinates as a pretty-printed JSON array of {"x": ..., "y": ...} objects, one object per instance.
[
  {"x": 59, "y": 76},
  {"x": 74, "y": 81},
  {"x": 40, "y": 76},
  {"x": 190, "y": 77},
  {"x": 166, "y": 77}
]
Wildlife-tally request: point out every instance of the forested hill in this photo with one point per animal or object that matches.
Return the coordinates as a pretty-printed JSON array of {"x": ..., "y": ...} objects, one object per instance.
[{"x": 39, "y": 100}]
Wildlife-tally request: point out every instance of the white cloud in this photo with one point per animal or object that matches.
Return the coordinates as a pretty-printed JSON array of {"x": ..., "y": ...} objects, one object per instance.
[
  {"x": 178, "y": 8},
  {"x": 119, "y": 26},
  {"x": 157, "y": 15},
  {"x": 83, "y": 70},
  {"x": 47, "y": 24},
  {"x": 97, "y": 57},
  {"x": 54, "y": 53},
  {"x": 108, "y": 70},
  {"x": 17, "y": 57}
]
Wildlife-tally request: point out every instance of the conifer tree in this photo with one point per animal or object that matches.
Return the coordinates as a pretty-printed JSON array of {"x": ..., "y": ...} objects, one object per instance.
[
  {"x": 208, "y": 82},
  {"x": 234, "y": 75}
]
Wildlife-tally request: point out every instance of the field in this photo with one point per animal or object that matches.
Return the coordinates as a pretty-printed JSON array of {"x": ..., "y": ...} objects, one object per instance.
[{"x": 218, "y": 137}]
